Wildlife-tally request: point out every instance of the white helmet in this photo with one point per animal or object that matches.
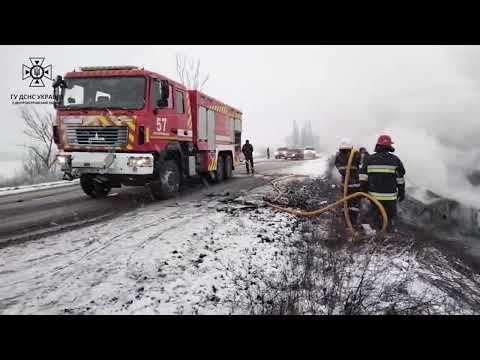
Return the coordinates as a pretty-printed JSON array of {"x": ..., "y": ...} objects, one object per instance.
[{"x": 345, "y": 143}]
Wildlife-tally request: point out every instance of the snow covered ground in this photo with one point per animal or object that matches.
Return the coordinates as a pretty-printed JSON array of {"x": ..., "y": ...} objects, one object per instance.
[
  {"x": 316, "y": 167},
  {"x": 27, "y": 188},
  {"x": 160, "y": 260},
  {"x": 328, "y": 274},
  {"x": 220, "y": 254}
]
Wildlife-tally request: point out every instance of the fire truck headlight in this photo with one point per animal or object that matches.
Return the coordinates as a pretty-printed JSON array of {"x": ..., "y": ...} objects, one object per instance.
[
  {"x": 63, "y": 159},
  {"x": 140, "y": 162}
]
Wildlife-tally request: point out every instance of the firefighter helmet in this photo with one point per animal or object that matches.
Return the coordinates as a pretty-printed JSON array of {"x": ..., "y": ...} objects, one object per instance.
[
  {"x": 345, "y": 143},
  {"x": 385, "y": 140}
]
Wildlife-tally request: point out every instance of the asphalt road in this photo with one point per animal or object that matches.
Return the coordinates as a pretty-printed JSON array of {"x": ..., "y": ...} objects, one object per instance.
[{"x": 38, "y": 213}]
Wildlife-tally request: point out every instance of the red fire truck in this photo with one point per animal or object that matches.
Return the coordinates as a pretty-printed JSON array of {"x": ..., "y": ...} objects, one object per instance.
[{"x": 121, "y": 125}]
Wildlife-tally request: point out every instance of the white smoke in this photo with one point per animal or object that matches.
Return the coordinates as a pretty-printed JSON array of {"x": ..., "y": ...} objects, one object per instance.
[{"x": 433, "y": 118}]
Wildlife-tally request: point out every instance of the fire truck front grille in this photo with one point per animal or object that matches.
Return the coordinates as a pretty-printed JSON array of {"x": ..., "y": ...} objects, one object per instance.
[{"x": 98, "y": 136}]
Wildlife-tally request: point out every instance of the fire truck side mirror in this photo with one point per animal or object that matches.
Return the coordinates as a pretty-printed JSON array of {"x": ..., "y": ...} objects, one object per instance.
[
  {"x": 163, "y": 102},
  {"x": 164, "y": 94},
  {"x": 165, "y": 89},
  {"x": 58, "y": 94},
  {"x": 57, "y": 81}
]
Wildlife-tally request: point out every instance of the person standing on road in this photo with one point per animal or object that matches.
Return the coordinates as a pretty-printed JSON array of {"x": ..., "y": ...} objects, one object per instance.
[
  {"x": 247, "y": 150},
  {"x": 341, "y": 162},
  {"x": 383, "y": 176},
  {"x": 268, "y": 153}
]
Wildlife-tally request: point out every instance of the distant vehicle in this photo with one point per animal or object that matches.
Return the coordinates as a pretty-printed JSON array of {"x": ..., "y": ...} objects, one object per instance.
[
  {"x": 309, "y": 153},
  {"x": 281, "y": 153},
  {"x": 294, "y": 154}
]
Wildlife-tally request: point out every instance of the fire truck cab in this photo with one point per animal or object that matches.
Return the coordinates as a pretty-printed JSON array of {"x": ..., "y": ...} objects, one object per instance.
[{"x": 121, "y": 125}]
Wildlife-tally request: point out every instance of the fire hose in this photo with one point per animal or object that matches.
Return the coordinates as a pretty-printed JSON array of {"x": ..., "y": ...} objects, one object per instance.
[{"x": 332, "y": 206}]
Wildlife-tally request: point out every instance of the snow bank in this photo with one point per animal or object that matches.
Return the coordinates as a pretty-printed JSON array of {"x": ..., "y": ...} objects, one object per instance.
[{"x": 27, "y": 188}]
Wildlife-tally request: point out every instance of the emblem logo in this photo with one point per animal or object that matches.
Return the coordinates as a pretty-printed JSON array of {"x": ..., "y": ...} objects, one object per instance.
[
  {"x": 96, "y": 138},
  {"x": 36, "y": 72}
]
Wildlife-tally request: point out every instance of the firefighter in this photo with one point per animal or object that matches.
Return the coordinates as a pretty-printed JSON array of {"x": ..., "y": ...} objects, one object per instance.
[
  {"x": 247, "y": 150},
  {"x": 382, "y": 176},
  {"x": 341, "y": 161},
  {"x": 363, "y": 155}
]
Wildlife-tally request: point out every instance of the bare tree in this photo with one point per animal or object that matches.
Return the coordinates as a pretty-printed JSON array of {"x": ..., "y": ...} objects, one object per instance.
[
  {"x": 33, "y": 165},
  {"x": 38, "y": 127},
  {"x": 188, "y": 71}
]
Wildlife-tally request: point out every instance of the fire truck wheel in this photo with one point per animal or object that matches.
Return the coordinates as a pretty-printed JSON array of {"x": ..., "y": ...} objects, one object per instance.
[
  {"x": 220, "y": 173},
  {"x": 168, "y": 183},
  {"x": 92, "y": 188},
  {"x": 228, "y": 167}
]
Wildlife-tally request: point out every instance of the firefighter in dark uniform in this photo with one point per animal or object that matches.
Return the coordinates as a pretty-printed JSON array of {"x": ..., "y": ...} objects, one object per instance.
[
  {"x": 247, "y": 150},
  {"x": 383, "y": 177},
  {"x": 341, "y": 161},
  {"x": 363, "y": 155}
]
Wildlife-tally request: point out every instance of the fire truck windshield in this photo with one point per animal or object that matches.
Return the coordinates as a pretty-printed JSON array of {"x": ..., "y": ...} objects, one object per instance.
[{"x": 104, "y": 93}]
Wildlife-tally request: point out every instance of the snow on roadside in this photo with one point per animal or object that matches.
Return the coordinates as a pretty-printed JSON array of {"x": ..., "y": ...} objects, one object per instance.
[
  {"x": 400, "y": 275},
  {"x": 203, "y": 257},
  {"x": 313, "y": 168},
  {"x": 156, "y": 260},
  {"x": 27, "y": 188}
]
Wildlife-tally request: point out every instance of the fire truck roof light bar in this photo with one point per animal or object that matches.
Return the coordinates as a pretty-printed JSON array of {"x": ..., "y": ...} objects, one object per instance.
[{"x": 121, "y": 67}]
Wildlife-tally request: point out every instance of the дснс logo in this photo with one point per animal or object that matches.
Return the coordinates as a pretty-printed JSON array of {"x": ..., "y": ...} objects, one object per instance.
[{"x": 36, "y": 72}]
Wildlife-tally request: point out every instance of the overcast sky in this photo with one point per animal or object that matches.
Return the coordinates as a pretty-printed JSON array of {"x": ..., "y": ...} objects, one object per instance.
[{"x": 425, "y": 97}]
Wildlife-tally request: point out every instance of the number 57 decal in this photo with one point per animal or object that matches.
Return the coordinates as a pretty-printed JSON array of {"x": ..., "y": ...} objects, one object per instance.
[{"x": 161, "y": 125}]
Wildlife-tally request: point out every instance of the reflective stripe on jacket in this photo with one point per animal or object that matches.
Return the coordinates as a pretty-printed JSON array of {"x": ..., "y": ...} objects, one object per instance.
[{"x": 383, "y": 196}]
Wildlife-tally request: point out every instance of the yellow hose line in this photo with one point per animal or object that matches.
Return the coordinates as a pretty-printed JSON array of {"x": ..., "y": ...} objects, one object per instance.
[
  {"x": 344, "y": 200},
  {"x": 345, "y": 192}
]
